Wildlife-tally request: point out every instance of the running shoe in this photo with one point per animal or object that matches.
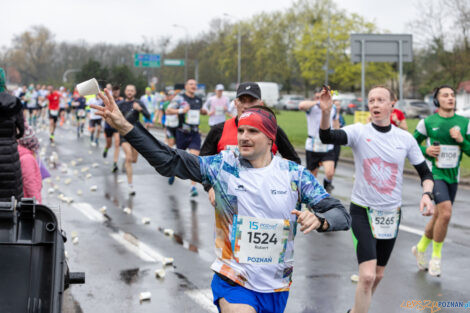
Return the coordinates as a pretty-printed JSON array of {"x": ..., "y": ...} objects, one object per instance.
[
  {"x": 193, "y": 191},
  {"x": 51, "y": 138},
  {"x": 93, "y": 144},
  {"x": 131, "y": 190},
  {"x": 105, "y": 152},
  {"x": 329, "y": 188},
  {"x": 435, "y": 267},
  {"x": 171, "y": 180},
  {"x": 420, "y": 259},
  {"x": 115, "y": 168}
]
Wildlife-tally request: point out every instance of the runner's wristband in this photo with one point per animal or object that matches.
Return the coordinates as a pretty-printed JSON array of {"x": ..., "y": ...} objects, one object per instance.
[
  {"x": 430, "y": 195},
  {"x": 180, "y": 111}
]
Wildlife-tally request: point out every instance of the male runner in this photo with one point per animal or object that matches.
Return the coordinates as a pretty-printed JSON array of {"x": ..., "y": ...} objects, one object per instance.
[
  {"x": 95, "y": 121},
  {"x": 258, "y": 199},
  {"x": 150, "y": 102},
  {"x": 54, "y": 98},
  {"x": 79, "y": 104},
  {"x": 131, "y": 108},
  {"x": 318, "y": 153},
  {"x": 170, "y": 123},
  {"x": 217, "y": 106},
  {"x": 188, "y": 106},
  {"x": 112, "y": 134},
  {"x": 223, "y": 136},
  {"x": 448, "y": 135},
  {"x": 379, "y": 152}
]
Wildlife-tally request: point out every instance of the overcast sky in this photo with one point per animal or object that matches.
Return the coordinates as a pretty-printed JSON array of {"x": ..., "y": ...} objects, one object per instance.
[{"x": 118, "y": 21}]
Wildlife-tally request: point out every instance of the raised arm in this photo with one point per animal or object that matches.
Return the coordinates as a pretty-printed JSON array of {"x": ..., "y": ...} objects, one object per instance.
[
  {"x": 167, "y": 161},
  {"x": 328, "y": 135}
]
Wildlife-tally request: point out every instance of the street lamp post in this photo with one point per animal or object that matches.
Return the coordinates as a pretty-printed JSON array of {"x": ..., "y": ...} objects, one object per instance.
[
  {"x": 185, "y": 50},
  {"x": 239, "y": 65}
]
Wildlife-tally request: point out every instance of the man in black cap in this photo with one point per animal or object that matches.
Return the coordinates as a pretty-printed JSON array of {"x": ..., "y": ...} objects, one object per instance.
[{"x": 223, "y": 136}]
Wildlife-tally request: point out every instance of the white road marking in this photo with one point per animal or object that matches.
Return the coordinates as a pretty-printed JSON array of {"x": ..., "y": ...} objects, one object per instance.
[
  {"x": 411, "y": 230},
  {"x": 202, "y": 297},
  {"x": 131, "y": 247},
  {"x": 89, "y": 211}
]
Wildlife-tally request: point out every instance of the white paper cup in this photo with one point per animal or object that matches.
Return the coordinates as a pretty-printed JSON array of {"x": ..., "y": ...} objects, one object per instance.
[{"x": 89, "y": 87}]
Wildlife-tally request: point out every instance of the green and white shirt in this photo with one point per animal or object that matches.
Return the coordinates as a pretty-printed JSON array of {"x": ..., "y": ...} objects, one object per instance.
[{"x": 446, "y": 166}]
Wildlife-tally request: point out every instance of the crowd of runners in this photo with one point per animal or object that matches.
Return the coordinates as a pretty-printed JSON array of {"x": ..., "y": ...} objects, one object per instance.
[{"x": 246, "y": 153}]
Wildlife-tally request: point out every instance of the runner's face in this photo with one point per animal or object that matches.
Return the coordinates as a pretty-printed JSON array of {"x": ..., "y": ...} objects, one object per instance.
[
  {"x": 116, "y": 93},
  {"x": 446, "y": 98},
  {"x": 380, "y": 106},
  {"x": 219, "y": 93},
  {"x": 190, "y": 86},
  {"x": 252, "y": 143},
  {"x": 130, "y": 92},
  {"x": 245, "y": 102}
]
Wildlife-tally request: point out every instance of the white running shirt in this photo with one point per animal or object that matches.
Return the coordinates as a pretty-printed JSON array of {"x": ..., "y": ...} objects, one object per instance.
[{"x": 379, "y": 159}]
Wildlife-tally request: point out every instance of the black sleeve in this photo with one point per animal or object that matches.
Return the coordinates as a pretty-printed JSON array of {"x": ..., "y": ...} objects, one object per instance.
[
  {"x": 423, "y": 171},
  {"x": 167, "y": 161},
  {"x": 334, "y": 212},
  {"x": 209, "y": 147},
  {"x": 19, "y": 122},
  {"x": 144, "y": 111},
  {"x": 333, "y": 136},
  {"x": 285, "y": 148}
]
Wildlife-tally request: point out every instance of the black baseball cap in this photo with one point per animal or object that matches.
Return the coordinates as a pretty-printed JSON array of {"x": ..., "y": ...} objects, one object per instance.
[{"x": 249, "y": 88}]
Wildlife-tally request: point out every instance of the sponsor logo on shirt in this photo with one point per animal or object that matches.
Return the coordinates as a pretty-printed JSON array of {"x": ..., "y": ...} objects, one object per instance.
[
  {"x": 278, "y": 192},
  {"x": 240, "y": 188},
  {"x": 435, "y": 128}
]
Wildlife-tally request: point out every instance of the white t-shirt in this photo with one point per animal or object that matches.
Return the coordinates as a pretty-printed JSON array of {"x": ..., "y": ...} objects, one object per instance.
[
  {"x": 95, "y": 101},
  {"x": 379, "y": 159},
  {"x": 219, "y": 106},
  {"x": 313, "y": 126}
]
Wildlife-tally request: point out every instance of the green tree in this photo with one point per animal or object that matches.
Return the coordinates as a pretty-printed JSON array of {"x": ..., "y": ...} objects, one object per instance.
[{"x": 93, "y": 69}]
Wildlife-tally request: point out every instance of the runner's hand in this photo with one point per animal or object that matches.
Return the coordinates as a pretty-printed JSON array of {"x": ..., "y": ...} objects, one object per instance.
[
  {"x": 111, "y": 113},
  {"x": 426, "y": 202},
  {"x": 212, "y": 196},
  {"x": 307, "y": 220},
  {"x": 433, "y": 151},
  {"x": 326, "y": 102},
  {"x": 455, "y": 133},
  {"x": 136, "y": 106}
]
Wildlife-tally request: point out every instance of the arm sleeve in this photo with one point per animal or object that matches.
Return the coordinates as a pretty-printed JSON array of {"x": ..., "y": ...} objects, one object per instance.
[
  {"x": 414, "y": 153},
  {"x": 423, "y": 171},
  {"x": 316, "y": 198},
  {"x": 285, "y": 148},
  {"x": 166, "y": 161},
  {"x": 19, "y": 122},
  {"x": 333, "y": 136},
  {"x": 144, "y": 111},
  {"x": 209, "y": 147}
]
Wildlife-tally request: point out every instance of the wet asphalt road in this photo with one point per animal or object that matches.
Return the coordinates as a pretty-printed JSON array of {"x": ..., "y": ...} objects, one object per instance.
[{"x": 120, "y": 254}]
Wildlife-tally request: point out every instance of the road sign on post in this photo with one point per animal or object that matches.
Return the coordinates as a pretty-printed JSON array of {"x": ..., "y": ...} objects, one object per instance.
[
  {"x": 146, "y": 60},
  {"x": 381, "y": 48},
  {"x": 173, "y": 62}
]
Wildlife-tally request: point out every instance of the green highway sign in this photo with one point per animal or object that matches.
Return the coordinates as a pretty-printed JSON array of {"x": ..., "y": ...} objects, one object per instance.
[
  {"x": 146, "y": 60},
  {"x": 173, "y": 62}
]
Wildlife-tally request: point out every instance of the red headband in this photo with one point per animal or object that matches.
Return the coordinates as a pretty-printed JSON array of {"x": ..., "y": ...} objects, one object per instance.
[{"x": 260, "y": 119}]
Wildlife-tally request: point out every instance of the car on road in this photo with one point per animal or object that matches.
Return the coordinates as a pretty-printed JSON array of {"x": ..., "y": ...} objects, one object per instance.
[
  {"x": 290, "y": 102},
  {"x": 414, "y": 108},
  {"x": 349, "y": 106},
  {"x": 269, "y": 93}
]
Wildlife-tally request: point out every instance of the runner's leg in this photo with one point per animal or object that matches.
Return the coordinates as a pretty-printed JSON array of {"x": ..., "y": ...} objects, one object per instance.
[
  {"x": 128, "y": 161},
  {"x": 226, "y": 307},
  {"x": 367, "y": 275}
]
